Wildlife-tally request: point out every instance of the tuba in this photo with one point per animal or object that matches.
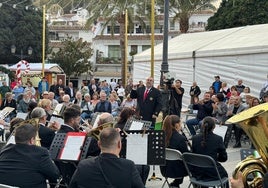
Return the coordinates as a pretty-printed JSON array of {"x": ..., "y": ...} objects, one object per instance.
[
  {"x": 254, "y": 122},
  {"x": 34, "y": 122},
  {"x": 96, "y": 131}
]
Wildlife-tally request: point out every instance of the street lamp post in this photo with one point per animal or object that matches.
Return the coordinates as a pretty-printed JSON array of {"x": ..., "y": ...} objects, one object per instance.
[
  {"x": 164, "y": 66},
  {"x": 21, "y": 55}
]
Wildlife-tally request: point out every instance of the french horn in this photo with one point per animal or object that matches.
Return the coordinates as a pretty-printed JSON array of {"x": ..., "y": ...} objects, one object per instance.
[{"x": 254, "y": 122}]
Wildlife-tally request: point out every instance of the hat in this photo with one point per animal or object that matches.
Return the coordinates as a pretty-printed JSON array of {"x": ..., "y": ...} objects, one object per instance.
[
  {"x": 45, "y": 93},
  {"x": 217, "y": 77}
]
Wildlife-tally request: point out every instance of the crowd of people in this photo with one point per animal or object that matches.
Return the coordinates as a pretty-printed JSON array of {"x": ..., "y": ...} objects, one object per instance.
[{"x": 115, "y": 104}]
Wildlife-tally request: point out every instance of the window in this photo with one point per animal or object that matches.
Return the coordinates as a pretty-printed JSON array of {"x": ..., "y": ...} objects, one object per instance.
[
  {"x": 116, "y": 29},
  {"x": 145, "y": 47},
  {"x": 114, "y": 51}
]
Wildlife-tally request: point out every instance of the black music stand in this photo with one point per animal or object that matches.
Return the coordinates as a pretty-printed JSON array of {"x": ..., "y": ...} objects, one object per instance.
[
  {"x": 131, "y": 123},
  {"x": 58, "y": 143},
  {"x": 156, "y": 147},
  {"x": 55, "y": 150}
]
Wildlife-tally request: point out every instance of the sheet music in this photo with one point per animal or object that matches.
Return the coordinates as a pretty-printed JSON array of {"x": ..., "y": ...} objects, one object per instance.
[
  {"x": 72, "y": 147},
  {"x": 136, "y": 125},
  {"x": 57, "y": 110},
  {"x": 56, "y": 119},
  {"x": 220, "y": 130},
  {"x": 21, "y": 115},
  {"x": 5, "y": 112},
  {"x": 95, "y": 125},
  {"x": 137, "y": 148}
]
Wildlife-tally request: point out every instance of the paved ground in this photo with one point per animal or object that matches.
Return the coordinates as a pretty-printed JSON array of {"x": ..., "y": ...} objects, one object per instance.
[
  {"x": 229, "y": 165},
  {"x": 233, "y": 159}
]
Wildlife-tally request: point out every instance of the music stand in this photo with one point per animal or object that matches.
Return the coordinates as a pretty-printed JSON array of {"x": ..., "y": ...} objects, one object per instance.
[
  {"x": 58, "y": 144},
  {"x": 135, "y": 124},
  {"x": 155, "y": 147}
]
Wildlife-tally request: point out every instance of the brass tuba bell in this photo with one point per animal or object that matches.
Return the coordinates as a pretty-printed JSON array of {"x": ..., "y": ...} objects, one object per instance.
[{"x": 254, "y": 122}]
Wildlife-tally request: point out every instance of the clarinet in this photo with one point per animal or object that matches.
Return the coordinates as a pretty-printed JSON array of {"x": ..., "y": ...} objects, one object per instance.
[{"x": 187, "y": 141}]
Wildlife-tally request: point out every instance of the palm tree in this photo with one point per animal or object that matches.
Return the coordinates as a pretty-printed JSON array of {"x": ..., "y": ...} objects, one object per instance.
[
  {"x": 113, "y": 14},
  {"x": 183, "y": 9}
]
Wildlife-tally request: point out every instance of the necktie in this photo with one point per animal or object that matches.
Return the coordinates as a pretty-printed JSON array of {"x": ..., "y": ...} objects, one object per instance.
[{"x": 145, "y": 94}]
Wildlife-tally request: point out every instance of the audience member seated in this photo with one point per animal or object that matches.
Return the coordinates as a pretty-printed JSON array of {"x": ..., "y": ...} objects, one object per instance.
[
  {"x": 24, "y": 103},
  {"x": 114, "y": 103},
  {"x": 25, "y": 165},
  {"x": 233, "y": 109},
  {"x": 124, "y": 115},
  {"x": 103, "y": 105},
  {"x": 208, "y": 143},
  {"x": 129, "y": 102},
  {"x": 9, "y": 102},
  {"x": 86, "y": 108},
  {"x": 174, "y": 140},
  {"x": 46, "y": 134},
  {"x": 219, "y": 108},
  {"x": 107, "y": 169},
  {"x": 204, "y": 108}
]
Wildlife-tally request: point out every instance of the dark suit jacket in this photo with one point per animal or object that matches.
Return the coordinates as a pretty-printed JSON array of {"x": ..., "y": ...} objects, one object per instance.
[
  {"x": 26, "y": 166},
  {"x": 214, "y": 148},
  {"x": 150, "y": 106},
  {"x": 46, "y": 135},
  {"x": 174, "y": 169},
  {"x": 121, "y": 173},
  {"x": 65, "y": 129}
]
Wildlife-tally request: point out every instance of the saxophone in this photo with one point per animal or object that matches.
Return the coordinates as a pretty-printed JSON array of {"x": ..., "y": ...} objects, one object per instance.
[{"x": 254, "y": 122}]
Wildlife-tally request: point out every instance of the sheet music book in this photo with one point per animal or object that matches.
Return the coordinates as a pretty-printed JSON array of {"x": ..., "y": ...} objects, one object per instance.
[
  {"x": 137, "y": 148},
  {"x": 56, "y": 119},
  {"x": 136, "y": 125},
  {"x": 73, "y": 143},
  {"x": 21, "y": 115},
  {"x": 58, "y": 111},
  {"x": 5, "y": 112},
  {"x": 220, "y": 130}
]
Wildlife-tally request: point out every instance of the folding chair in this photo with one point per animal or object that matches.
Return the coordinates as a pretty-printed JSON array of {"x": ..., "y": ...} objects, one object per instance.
[
  {"x": 171, "y": 155},
  {"x": 193, "y": 161}
]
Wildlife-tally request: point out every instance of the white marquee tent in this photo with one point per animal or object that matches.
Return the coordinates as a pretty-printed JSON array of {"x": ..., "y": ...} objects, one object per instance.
[{"x": 237, "y": 53}]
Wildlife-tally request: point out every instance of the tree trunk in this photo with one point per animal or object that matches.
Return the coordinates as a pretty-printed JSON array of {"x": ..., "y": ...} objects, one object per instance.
[
  {"x": 121, "y": 21},
  {"x": 184, "y": 23}
]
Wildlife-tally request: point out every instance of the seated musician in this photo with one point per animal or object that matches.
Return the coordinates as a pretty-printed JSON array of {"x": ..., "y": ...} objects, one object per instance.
[
  {"x": 208, "y": 143},
  {"x": 71, "y": 118},
  {"x": 174, "y": 140},
  {"x": 25, "y": 165},
  {"x": 107, "y": 169},
  {"x": 46, "y": 134}
]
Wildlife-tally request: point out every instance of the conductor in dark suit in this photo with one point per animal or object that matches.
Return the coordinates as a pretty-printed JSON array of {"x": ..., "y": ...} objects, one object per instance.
[
  {"x": 46, "y": 134},
  {"x": 148, "y": 100},
  {"x": 107, "y": 170},
  {"x": 25, "y": 165}
]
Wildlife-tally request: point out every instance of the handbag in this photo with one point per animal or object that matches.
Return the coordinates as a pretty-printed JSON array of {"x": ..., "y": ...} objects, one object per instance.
[{"x": 105, "y": 177}]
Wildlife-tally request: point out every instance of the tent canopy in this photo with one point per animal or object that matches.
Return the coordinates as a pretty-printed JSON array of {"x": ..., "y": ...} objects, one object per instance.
[{"x": 236, "y": 53}]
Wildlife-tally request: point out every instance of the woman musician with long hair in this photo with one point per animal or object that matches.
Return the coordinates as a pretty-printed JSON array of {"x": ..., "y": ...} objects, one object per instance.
[{"x": 174, "y": 140}]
